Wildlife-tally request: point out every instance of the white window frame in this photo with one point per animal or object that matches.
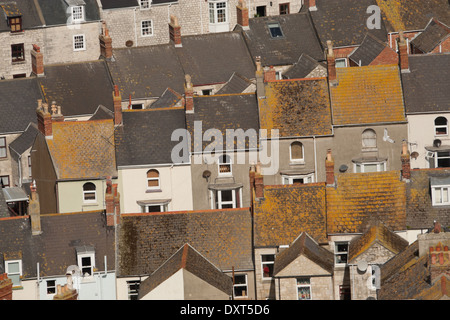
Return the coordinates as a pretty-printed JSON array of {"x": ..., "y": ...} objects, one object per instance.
[
  {"x": 3, "y": 146},
  {"x": 275, "y": 25},
  {"x": 77, "y": 13},
  {"x": 338, "y": 253},
  {"x": 214, "y": 9},
  {"x": 220, "y": 203},
  {"x": 435, "y": 156},
  {"x": 80, "y": 258},
  {"x": 162, "y": 207},
  {"x": 289, "y": 179},
  {"x": 340, "y": 60},
  {"x": 51, "y": 287},
  {"x": 227, "y": 163},
  {"x": 299, "y": 160},
  {"x": 304, "y": 285},
  {"x": 85, "y": 192},
  {"x": 19, "y": 273},
  {"x": 133, "y": 292},
  {"x": 158, "y": 178},
  {"x": 148, "y": 29},
  {"x": 443, "y": 189},
  {"x": 29, "y": 167},
  {"x": 265, "y": 263},
  {"x": 240, "y": 285},
  {"x": 381, "y": 166},
  {"x": 145, "y": 4},
  {"x": 76, "y": 41},
  {"x": 440, "y": 126}
]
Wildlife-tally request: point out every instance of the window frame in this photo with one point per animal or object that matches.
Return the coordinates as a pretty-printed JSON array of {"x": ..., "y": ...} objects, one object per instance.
[
  {"x": 144, "y": 4},
  {"x": 91, "y": 266},
  {"x": 15, "y": 23},
  {"x": 215, "y": 12},
  {"x": 441, "y": 188},
  {"x": 50, "y": 287},
  {"x": 264, "y": 263},
  {"x": 381, "y": 166},
  {"x": 157, "y": 178},
  {"x": 438, "y": 126},
  {"x": 76, "y": 40},
  {"x": 162, "y": 207},
  {"x": 228, "y": 163},
  {"x": 340, "y": 60},
  {"x": 297, "y": 160},
  {"x": 8, "y": 180},
  {"x": 339, "y": 253},
  {"x": 272, "y": 26},
  {"x": 3, "y": 147},
  {"x": 286, "y": 9},
  {"x": 238, "y": 286},
  {"x": 29, "y": 167},
  {"x": 133, "y": 292},
  {"x": 148, "y": 28},
  {"x": 304, "y": 285},
  {"x": 17, "y": 55},
  {"x": 289, "y": 179},
  {"x": 13, "y": 274},
  {"x": 85, "y": 192},
  {"x": 79, "y": 15},
  {"x": 365, "y": 137}
]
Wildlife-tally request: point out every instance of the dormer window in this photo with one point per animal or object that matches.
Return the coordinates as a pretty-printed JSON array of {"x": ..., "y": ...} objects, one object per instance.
[
  {"x": 275, "y": 30},
  {"x": 440, "y": 188},
  {"x": 13, "y": 16},
  {"x": 144, "y": 4},
  {"x": 224, "y": 165},
  {"x": 86, "y": 260},
  {"x": 76, "y": 10},
  {"x": 77, "y": 13},
  {"x": 15, "y": 24}
]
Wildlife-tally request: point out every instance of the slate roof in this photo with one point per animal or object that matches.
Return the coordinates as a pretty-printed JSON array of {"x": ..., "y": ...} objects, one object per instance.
[
  {"x": 145, "y": 136},
  {"x": 377, "y": 232},
  {"x": 189, "y": 259},
  {"x": 369, "y": 49},
  {"x": 344, "y": 22},
  {"x": 420, "y": 211},
  {"x": 426, "y": 86},
  {"x": 412, "y": 15},
  {"x": 431, "y": 37},
  {"x": 287, "y": 49},
  {"x": 214, "y": 57},
  {"x": 102, "y": 113},
  {"x": 306, "y": 246},
  {"x": 54, "y": 249},
  {"x": 116, "y": 4},
  {"x": 24, "y": 141},
  {"x": 236, "y": 84},
  {"x": 79, "y": 88},
  {"x": 4, "y": 212},
  {"x": 223, "y": 237},
  {"x": 360, "y": 197},
  {"x": 90, "y": 153},
  {"x": 55, "y": 11},
  {"x": 297, "y": 107},
  {"x": 288, "y": 210},
  {"x": 367, "y": 95},
  {"x": 169, "y": 98},
  {"x": 146, "y": 71},
  {"x": 302, "y": 68},
  {"x": 222, "y": 112},
  {"x": 26, "y": 8},
  {"x": 19, "y": 101}
]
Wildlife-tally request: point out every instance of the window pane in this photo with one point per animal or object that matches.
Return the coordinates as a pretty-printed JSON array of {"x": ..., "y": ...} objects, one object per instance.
[
  {"x": 304, "y": 293},
  {"x": 296, "y": 151},
  {"x": 240, "y": 279},
  {"x": 369, "y": 138},
  {"x": 153, "y": 182},
  {"x": 152, "y": 174},
  {"x": 268, "y": 257},
  {"x": 89, "y": 196},
  {"x": 275, "y": 30},
  {"x": 437, "y": 195},
  {"x": 89, "y": 187},
  {"x": 13, "y": 267},
  {"x": 370, "y": 168},
  {"x": 303, "y": 281}
]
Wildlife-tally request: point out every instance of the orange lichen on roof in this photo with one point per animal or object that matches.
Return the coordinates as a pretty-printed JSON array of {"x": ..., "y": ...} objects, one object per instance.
[
  {"x": 299, "y": 107},
  {"x": 287, "y": 211},
  {"x": 361, "y": 197},
  {"x": 392, "y": 12},
  {"x": 367, "y": 95},
  {"x": 83, "y": 149}
]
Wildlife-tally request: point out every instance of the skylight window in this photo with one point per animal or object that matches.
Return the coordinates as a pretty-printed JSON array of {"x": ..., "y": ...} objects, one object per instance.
[{"x": 275, "y": 30}]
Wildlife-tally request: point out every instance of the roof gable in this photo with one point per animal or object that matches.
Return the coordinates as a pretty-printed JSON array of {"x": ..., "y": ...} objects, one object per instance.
[
  {"x": 368, "y": 51},
  {"x": 431, "y": 37}
]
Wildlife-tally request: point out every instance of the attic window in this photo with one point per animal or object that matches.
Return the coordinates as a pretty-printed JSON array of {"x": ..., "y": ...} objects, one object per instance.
[
  {"x": 86, "y": 260},
  {"x": 275, "y": 30},
  {"x": 77, "y": 13},
  {"x": 440, "y": 188},
  {"x": 144, "y": 4},
  {"x": 15, "y": 23}
]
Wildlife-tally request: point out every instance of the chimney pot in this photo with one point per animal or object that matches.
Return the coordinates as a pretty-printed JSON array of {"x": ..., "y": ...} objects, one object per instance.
[
  {"x": 175, "y": 31},
  {"x": 117, "y": 100},
  {"x": 329, "y": 168},
  {"x": 188, "y": 94}
]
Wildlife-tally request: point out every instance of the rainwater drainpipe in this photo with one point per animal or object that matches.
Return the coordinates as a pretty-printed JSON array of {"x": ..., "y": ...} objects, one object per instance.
[
  {"x": 315, "y": 160},
  {"x": 135, "y": 31}
]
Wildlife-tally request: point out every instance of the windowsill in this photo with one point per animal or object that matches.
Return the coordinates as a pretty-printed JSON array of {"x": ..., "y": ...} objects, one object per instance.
[
  {"x": 90, "y": 204},
  {"x": 147, "y": 36},
  {"x": 18, "y": 62},
  {"x": 17, "y": 287},
  {"x": 15, "y": 33},
  {"x": 295, "y": 163},
  {"x": 153, "y": 190},
  {"x": 78, "y": 50},
  {"x": 4, "y": 159}
]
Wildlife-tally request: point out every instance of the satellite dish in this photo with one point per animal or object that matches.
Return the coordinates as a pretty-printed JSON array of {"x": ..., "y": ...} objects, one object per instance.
[
  {"x": 415, "y": 155},
  {"x": 343, "y": 168},
  {"x": 437, "y": 143},
  {"x": 362, "y": 266},
  {"x": 206, "y": 174}
]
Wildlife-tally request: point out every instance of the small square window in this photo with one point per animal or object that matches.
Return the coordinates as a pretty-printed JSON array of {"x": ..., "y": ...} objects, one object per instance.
[
  {"x": 17, "y": 52},
  {"x": 304, "y": 288},
  {"x": 240, "y": 286},
  {"x": 145, "y": 4},
  {"x": 86, "y": 262},
  {"x": 341, "y": 63},
  {"x": 14, "y": 271},
  {"x": 4, "y": 181},
  {"x": 15, "y": 23},
  {"x": 77, "y": 13},
  {"x": 267, "y": 263},
  {"x": 341, "y": 252},
  {"x": 51, "y": 287},
  {"x": 3, "y": 149},
  {"x": 146, "y": 28},
  {"x": 79, "y": 42},
  {"x": 284, "y": 8},
  {"x": 275, "y": 30},
  {"x": 133, "y": 289}
]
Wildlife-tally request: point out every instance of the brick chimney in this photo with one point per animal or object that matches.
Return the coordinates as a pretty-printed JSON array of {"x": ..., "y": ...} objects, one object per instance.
[
  {"x": 270, "y": 74},
  {"x": 403, "y": 53},
  {"x": 44, "y": 119},
  {"x": 34, "y": 211},
  {"x": 37, "y": 61},
  {"x": 112, "y": 204},
  {"x": 106, "y": 50},
  {"x": 406, "y": 161},
  {"x": 188, "y": 95},
  {"x": 329, "y": 168},
  {"x": 175, "y": 31},
  {"x": 5, "y": 287},
  {"x": 117, "y": 99},
  {"x": 259, "y": 75},
  {"x": 311, "y": 5},
  {"x": 242, "y": 14},
  {"x": 259, "y": 182},
  {"x": 331, "y": 63}
]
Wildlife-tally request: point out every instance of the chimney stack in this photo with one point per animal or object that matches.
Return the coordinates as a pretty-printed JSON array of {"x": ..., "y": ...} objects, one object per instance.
[
  {"x": 175, "y": 31},
  {"x": 331, "y": 63},
  {"x": 34, "y": 211},
  {"x": 403, "y": 53},
  {"x": 37, "y": 61},
  {"x": 44, "y": 119},
  {"x": 105, "y": 42},
  {"x": 270, "y": 74},
  {"x": 259, "y": 182},
  {"x": 329, "y": 168},
  {"x": 188, "y": 95},
  {"x": 5, "y": 287},
  {"x": 112, "y": 203},
  {"x": 242, "y": 14},
  {"x": 117, "y": 100},
  {"x": 311, "y": 4},
  {"x": 259, "y": 75},
  {"x": 406, "y": 161}
]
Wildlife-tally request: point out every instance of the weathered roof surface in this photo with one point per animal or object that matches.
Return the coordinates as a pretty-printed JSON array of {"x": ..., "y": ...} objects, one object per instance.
[
  {"x": 169, "y": 98},
  {"x": 115, "y": 4},
  {"x": 359, "y": 197},
  {"x": 426, "y": 86},
  {"x": 54, "y": 249},
  {"x": 55, "y": 11},
  {"x": 145, "y": 136},
  {"x": 222, "y": 112},
  {"x": 288, "y": 210},
  {"x": 431, "y": 37},
  {"x": 412, "y": 15},
  {"x": 18, "y": 101},
  {"x": 144, "y": 72},
  {"x": 79, "y": 88},
  {"x": 214, "y": 57},
  {"x": 191, "y": 260},
  {"x": 302, "y": 68},
  {"x": 223, "y": 237},
  {"x": 420, "y": 211},
  {"x": 284, "y": 50},
  {"x": 306, "y": 246},
  {"x": 4, "y": 212},
  {"x": 90, "y": 153},
  {"x": 236, "y": 84},
  {"x": 297, "y": 107},
  {"x": 379, "y": 233},
  {"x": 24, "y": 141},
  {"x": 344, "y": 22},
  {"x": 102, "y": 113},
  {"x": 25, "y": 8},
  {"x": 367, "y": 95},
  {"x": 369, "y": 49}
]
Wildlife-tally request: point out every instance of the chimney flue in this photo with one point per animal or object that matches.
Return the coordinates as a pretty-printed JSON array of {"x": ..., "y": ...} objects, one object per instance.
[
  {"x": 403, "y": 53},
  {"x": 406, "y": 161},
  {"x": 188, "y": 94},
  {"x": 175, "y": 31},
  {"x": 329, "y": 168},
  {"x": 105, "y": 42},
  {"x": 242, "y": 14},
  {"x": 117, "y": 100},
  {"x": 331, "y": 62},
  {"x": 44, "y": 119},
  {"x": 37, "y": 61},
  {"x": 34, "y": 210}
]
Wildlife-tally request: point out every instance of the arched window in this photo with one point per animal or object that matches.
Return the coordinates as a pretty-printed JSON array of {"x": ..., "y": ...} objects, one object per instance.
[
  {"x": 89, "y": 192},
  {"x": 369, "y": 138},
  {"x": 296, "y": 151},
  {"x": 152, "y": 179},
  {"x": 224, "y": 165},
  {"x": 440, "y": 126}
]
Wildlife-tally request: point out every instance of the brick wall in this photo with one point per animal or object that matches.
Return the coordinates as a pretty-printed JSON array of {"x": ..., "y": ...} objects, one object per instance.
[{"x": 5, "y": 287}]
